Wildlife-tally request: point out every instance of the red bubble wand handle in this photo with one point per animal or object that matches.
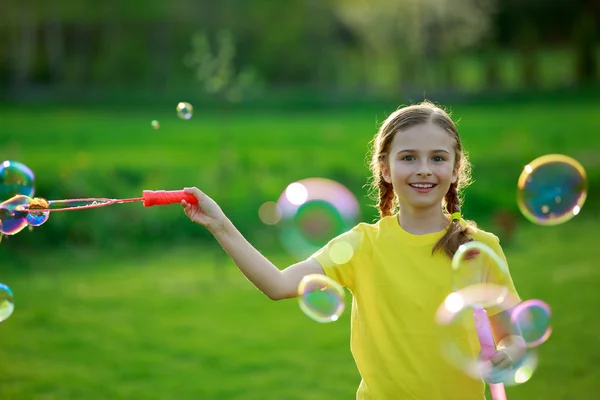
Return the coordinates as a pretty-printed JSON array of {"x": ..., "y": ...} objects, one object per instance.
[{"x": 164, "y": 197}]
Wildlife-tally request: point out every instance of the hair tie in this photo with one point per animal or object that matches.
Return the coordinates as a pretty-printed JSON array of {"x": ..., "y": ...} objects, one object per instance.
[{"x": 455, "y": 216}]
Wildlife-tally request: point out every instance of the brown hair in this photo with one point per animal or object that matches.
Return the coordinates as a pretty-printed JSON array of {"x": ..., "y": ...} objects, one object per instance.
[{"x": 383, "y": 192}]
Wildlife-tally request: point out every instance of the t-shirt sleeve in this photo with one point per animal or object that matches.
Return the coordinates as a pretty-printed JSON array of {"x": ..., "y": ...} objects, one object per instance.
[
  {"x": 501, "y": 276},
  {"x": 338, "y": 258}
]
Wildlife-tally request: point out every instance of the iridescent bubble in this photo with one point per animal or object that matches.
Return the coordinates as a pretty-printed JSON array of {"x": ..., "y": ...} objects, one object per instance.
[
  {"x": 313, "y": 211},
  {"x": 38, "y": 218},
  {"x": 552, "y": 189},
  {"x": 321, "y": 298},
  {"x": 15, "y": 178},
  {"x": 459, "y": 335},
  {"x": 7, "y": 304},
  {"x": 13, "y": 217},
  {"x": 155, "y": 124},
  {"x": 477, "y": 263},
  {"x": 185, "y": 110},
  {"x": 520, "y": 372},
  {"x": 533, "y": 319}
]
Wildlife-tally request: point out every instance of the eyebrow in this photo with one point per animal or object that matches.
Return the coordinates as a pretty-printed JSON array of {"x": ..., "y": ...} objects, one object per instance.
[{"x": 416, "y": 151}]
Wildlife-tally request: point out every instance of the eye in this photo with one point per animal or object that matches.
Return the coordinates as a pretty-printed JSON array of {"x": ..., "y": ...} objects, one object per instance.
[
  {"x": 408, "y": 158},
  {"x": 438, "y": 158}
]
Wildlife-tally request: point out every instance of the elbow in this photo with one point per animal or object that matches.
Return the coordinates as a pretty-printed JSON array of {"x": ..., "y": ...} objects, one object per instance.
[
  {"x": 276, "y": 295},
  {"x": 281, "y": 289}
]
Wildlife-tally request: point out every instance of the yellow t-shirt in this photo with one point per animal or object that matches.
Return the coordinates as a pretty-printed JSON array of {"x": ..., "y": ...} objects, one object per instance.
[{"x": 397, "y": 286}]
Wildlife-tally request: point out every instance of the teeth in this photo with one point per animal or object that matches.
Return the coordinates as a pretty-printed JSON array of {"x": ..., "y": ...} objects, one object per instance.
[{"x": 422, "y": 185}]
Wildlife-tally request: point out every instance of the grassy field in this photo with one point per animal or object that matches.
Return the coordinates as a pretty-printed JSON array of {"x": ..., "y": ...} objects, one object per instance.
[
  {"x": 100, "y": 325},
  {"x": 162, "y": 321}
]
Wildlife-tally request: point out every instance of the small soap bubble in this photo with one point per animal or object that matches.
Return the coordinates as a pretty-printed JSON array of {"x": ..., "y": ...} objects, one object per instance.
[
  {"x": 185, "y": 110},
  {"x": 38, "y": 218},
  {"x": 552, "y": 189},
  {"x": 321, "y": 298},
  {"x": 13, "y": 214},
  {"x": 15, "y": 178},
  {"x": 7, "y": 304},
  {"x": 533, "y": 319}
]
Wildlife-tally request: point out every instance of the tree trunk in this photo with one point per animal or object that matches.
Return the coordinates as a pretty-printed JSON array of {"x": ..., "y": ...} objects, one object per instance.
[
  {"x": 585, "y": 46},
  {"x": 527, "y": 45},
  {"x": 24, "y": 41},
  {"x": 492, "y": 69},
  {"x": 161, "y": 50},
  {"x": 55, "y": 49}
]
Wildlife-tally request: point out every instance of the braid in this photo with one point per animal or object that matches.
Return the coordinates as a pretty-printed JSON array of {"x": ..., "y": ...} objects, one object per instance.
[
  {"x": 456, "y": 235},
  {"x": 452, "y": 200},
  {"x": 386, "y": 197}
]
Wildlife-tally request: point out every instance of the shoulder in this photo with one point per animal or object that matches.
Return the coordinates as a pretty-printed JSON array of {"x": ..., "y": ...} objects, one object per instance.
[
  {"x": 364, "y": 234},
  {"x": 371, "y": 228}
]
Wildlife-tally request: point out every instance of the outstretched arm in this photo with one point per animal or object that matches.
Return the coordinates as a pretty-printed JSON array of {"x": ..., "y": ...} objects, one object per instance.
[{"x": 269, "y": 279}]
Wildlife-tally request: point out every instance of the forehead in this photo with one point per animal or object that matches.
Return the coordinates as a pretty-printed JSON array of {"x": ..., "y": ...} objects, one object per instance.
[{"x": 423, "y": 137}]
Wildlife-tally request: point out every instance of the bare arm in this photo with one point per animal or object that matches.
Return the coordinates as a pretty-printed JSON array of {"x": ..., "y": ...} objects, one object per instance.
[{"x": 270, "y": 280}]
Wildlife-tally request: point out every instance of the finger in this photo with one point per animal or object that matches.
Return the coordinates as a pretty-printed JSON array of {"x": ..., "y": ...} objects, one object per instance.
[
  {"x": 496, "y": 377},
  {"x": 195, "y": 191},
  {"x": 187, "y": 209},
  {"x": 184, "y": 203},
  {"x": 501, "y": 360},
  {"x": 505, "y": 363}
]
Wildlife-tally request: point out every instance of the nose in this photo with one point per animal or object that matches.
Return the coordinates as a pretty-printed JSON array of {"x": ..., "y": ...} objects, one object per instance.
[{"x": 424, "y": 169}]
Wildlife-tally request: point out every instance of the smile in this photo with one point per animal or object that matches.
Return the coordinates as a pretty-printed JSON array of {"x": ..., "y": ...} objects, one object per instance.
[{"x": 422, "y": 187}]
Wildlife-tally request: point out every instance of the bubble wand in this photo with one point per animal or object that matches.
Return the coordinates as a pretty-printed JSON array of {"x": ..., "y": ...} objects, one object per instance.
[
  {"x": 488, "y": 347},
  {"x": 149, "y": 198},
  {"x": 482, "y": 324},
  {"x": 20, "y": 210}
]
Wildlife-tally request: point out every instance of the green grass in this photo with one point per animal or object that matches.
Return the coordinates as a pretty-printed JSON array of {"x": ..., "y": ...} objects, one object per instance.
[
  {"x": 100, "y": 325},
  {"x": 139, "y": 314}
]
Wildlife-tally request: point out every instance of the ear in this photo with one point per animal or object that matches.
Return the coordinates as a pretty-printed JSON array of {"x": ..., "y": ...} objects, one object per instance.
[
  {"x": 386, "y": 173},
  {"x": 455, "y": 174}
]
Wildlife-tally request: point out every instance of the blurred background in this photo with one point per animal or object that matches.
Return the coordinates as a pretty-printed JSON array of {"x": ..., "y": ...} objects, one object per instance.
[{"x": 125, "y": 302}]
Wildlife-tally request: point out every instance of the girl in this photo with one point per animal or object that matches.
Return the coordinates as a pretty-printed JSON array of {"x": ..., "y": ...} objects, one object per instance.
[{"x": 400, "y": 269}]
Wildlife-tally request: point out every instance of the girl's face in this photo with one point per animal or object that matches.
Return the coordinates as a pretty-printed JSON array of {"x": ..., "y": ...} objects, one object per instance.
[{"x": 420, "y": 166}]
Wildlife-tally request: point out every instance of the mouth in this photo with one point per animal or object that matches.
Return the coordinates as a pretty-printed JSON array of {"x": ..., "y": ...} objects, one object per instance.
[{"x": 422, "y": 187}]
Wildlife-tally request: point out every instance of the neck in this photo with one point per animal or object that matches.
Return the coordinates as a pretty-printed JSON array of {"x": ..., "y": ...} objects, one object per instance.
[{"x": 422, "y": 221}]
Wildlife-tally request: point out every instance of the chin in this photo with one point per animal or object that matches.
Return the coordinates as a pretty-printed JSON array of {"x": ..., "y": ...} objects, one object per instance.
[{"x": 425, "y": 203}]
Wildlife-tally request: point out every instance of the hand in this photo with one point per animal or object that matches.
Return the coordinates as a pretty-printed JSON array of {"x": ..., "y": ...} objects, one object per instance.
[
  {"x": 499, "y": 368},
  {"x": 206, "y": 213},
  {"x": 511, "y": 351}
]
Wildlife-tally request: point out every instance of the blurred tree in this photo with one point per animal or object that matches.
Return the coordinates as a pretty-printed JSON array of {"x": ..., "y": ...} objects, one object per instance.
[
  {"x": 22, "y": 20},
  {"x": 404, "y": 33},
  {"x": 216, "y": 70},
  {"x": 309, "y": 45},
  {"x": 586, "y": 42},
  {"x": 527, "y": 45}
]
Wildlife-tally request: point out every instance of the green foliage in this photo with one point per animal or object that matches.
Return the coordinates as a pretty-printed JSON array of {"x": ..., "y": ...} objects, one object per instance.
[
  {"x": 86, "y": 152},
  {"x": 216, "y": 70}
]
